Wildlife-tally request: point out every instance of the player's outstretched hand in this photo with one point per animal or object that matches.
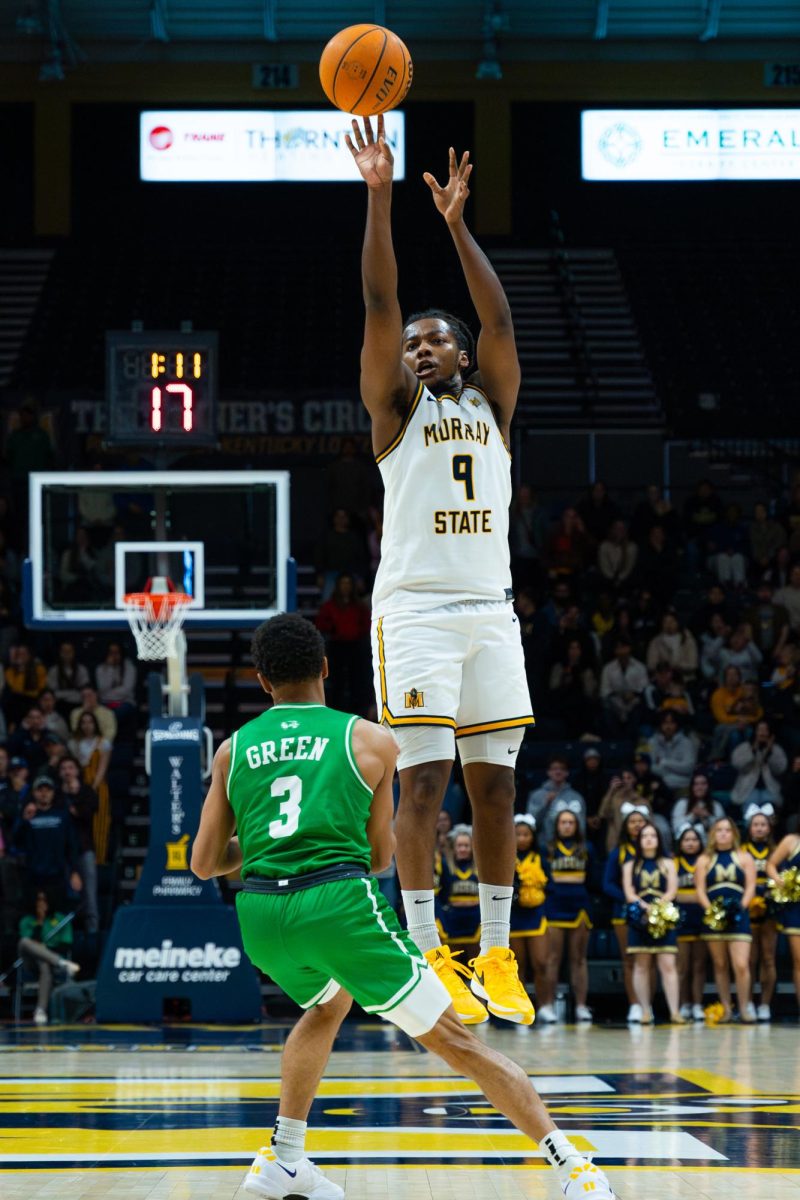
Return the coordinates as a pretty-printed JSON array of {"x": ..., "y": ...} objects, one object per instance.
[
  {"x": 371, "y": 154},
  {"x": 451, "y": 198}
]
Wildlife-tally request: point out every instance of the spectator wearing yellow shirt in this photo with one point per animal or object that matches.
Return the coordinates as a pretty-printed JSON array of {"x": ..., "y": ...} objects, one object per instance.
[{"x": 25, "y": 678}]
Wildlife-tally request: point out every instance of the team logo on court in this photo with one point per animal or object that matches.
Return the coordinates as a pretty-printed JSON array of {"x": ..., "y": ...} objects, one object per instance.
[
  {"x": 178, "y": 854},
  {"x": 620, "y": 144},
  {"x": 415, "y": 699}
]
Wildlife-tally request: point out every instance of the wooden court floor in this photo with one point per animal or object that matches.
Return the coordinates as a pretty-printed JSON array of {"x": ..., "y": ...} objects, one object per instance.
[{"x": 148, "y": 1113}]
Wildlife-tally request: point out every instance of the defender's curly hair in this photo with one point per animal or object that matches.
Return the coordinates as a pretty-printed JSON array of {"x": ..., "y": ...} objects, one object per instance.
[
  {"x": 461, "y": 331},
  {"x": 288, "y": 649}
]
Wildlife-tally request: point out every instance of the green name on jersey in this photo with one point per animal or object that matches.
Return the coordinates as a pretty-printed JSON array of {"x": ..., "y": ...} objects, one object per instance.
[{"x": 288, "y": 749}]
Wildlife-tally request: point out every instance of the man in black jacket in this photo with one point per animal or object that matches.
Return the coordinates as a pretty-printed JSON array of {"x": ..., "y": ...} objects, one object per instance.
[{"x": 45, "y": 835}]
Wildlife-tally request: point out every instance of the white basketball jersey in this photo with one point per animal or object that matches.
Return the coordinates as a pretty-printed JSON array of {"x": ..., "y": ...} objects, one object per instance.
[{"x": 447, "y": 477}]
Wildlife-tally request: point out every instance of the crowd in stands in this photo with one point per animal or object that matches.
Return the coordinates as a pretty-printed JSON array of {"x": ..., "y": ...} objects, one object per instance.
[{"x": 62, "y": 724}]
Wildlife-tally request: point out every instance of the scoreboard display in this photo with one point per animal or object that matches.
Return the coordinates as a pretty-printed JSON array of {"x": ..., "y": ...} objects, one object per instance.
[{"x": 161, "y": 388}]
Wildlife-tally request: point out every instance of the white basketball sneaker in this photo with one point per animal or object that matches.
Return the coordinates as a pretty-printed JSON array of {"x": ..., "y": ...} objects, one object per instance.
[
  {"x": 272, "y": 1179},
  {"x": 587, "y": 1180},
  {"x": 634, "y": 1014},
  {"x": 763, "y": 1012}
]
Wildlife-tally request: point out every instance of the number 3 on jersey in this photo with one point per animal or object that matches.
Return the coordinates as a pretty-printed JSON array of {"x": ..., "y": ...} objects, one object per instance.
[
  {"x": 292, "y": 787},
  {"x": 462, "y": 473}
]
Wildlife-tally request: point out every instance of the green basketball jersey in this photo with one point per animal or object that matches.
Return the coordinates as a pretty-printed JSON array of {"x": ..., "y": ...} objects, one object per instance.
[{"x": 300, "y": 801}]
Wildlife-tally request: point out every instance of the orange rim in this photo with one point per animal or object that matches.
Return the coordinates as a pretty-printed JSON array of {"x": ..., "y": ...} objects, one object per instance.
[{"x": 158, "y": 600}]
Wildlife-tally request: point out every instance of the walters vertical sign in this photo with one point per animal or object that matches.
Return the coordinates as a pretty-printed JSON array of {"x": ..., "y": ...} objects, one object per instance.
[{"x": 177, "y": 940}]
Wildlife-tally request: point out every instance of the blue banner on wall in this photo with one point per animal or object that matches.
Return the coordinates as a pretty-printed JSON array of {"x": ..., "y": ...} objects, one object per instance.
[{"x": 177, "y": 940}]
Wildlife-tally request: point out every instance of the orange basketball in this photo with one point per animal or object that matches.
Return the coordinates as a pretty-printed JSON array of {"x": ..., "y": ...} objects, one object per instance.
[{"x": 365, "y": 70}]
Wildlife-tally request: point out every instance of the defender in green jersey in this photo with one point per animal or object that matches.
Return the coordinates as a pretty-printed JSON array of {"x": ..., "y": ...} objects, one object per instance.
[{"x": 301, "y": 803}]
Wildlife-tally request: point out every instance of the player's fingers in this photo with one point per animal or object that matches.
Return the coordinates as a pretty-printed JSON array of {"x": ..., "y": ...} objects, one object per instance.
[
  {"x": 349, "y": 143},
  {"x": 463, "y": 164},
  {"x": 452, "y": 161},
  {"x": 357, "y": 134},
  {"x": 467, "y": 173},
  {"x": 380, "y": 127},
  {"x": 368, "y": 131},
  {"x": 431, "y": 182}
]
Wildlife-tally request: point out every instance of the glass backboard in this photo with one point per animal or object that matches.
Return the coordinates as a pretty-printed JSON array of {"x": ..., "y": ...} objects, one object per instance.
[{"x": 221, "y": 536}]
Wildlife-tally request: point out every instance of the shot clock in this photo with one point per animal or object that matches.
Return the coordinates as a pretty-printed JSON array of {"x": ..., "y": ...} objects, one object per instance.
[{"x": 161, "y": 388}]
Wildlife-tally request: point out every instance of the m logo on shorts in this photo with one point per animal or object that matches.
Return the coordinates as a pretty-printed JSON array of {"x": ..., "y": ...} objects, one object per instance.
[{"x": 415, "y": 699}]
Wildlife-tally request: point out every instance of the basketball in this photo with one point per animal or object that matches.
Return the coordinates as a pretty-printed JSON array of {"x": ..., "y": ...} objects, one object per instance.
[{"x": 365, "y": 70}]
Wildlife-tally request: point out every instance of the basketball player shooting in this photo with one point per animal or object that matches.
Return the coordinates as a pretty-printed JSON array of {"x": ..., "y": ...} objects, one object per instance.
[{"x": 447, "y": 654}]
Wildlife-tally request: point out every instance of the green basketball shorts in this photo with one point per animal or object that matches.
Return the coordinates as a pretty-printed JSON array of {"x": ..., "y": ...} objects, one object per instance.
[{"x": 342, "y": 935}]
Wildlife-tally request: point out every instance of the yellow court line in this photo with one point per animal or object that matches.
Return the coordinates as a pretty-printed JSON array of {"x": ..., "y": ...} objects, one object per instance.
[{"x": 720, "y": 1085}]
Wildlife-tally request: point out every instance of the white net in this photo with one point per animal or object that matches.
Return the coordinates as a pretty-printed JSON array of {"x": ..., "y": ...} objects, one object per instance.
[{"x": 156, "y": 621}]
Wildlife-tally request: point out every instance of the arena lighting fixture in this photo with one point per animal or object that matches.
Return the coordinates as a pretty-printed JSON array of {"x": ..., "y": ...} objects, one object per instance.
[
  {"x": 495, "y": 20},
  {"x": 158, "y": 21},
  {"x": 29, "y": 21},
  {"x": 713, "y": 13},
  {"x": 62, "y": 51},
  {"x": 270, "y": 21}
]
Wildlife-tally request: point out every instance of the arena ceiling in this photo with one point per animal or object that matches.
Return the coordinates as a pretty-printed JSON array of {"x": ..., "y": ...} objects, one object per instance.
[
  {"x": 62, "y": 34},
  {"x": 147, "y": 30}
]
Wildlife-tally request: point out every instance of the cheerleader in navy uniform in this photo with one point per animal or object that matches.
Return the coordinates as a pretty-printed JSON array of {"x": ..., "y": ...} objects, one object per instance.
[
  {"x": 763, "y": 926},
  {"x": 633, "y": 818},
  {"x": 568, "y": 862},
  {"x": 458, "y": 906},
  {"x": 650, "y": 876},
  {"x": 528, "y": 922},
  {"x": 725, "y": 872},
  {"x": 785, "y": 855},
  {"x": 692, "y": 951}
]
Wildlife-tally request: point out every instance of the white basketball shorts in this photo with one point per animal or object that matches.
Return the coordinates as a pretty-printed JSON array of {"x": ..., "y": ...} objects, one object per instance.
[{"x": 458, "y": 669}]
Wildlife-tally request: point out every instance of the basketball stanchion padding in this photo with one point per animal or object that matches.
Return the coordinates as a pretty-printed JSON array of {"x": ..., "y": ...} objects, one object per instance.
[{"x": 156, "y": 617}]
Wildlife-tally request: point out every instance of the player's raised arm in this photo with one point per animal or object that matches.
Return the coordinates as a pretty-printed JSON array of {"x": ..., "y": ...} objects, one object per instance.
[
  {"x": 387, "y": 385},
  {"x": 497, "y": 352}
]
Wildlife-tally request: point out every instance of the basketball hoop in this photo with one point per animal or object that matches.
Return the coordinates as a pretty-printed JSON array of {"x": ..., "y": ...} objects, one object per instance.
[{"x": 156, "y": 618}]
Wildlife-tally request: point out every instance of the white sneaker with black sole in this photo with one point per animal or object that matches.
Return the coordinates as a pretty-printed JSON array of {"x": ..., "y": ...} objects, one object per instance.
[
  {"x": 276, "y": 1181},
  {"x": 763, "y": 1012},
  {"x": 634, "y": 1014},
  {"x": 686, "y": 1012},
  {"x": 583, "y": 1015},
  {"x": 546, "y": 1015},
  {"x": 698, "y": 1012}
]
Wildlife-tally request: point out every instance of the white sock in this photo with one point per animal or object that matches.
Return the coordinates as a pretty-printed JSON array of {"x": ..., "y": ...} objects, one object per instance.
[
  {"x": 421, "y": 918},
  {"x": 561, "y": 1154},
  {"x": 289, "y": 1140},
  {"x": 495, "y": 915}
]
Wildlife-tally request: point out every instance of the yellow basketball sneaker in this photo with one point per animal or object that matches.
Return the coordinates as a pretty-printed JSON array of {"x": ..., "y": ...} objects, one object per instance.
[
  {"x": 496, "y": 980},
  {"x": 469, "y": 1010}
]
